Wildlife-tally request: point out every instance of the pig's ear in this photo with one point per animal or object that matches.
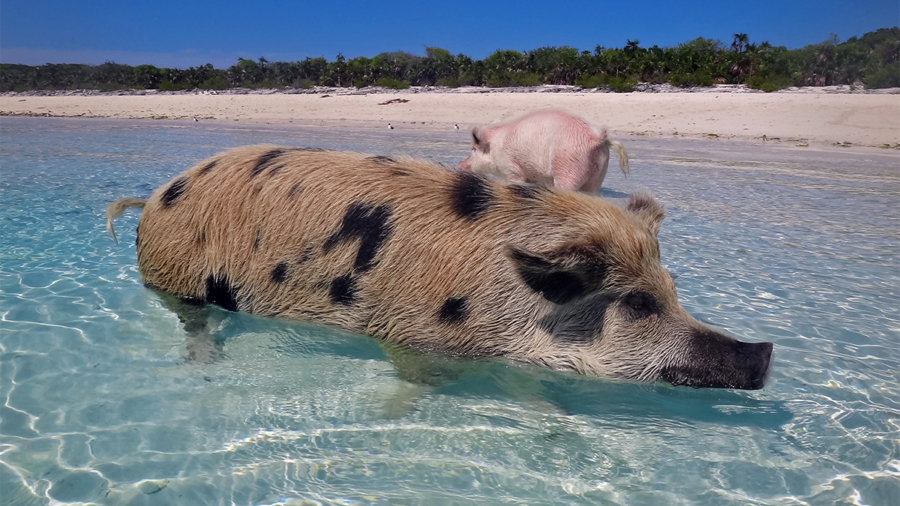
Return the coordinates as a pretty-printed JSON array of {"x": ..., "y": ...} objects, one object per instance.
[
  {"x": 643, "y": 206},
  {"x": 560, "y": 276},
  {"x": 479, "y": 140}
]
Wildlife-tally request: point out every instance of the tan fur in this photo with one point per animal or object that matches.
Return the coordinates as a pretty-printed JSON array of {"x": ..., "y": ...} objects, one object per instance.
[{"x": 226, "y": 223}]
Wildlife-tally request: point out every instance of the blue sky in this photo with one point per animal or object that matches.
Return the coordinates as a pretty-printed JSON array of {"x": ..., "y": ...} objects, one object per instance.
[{"x": 190, "y": 33}]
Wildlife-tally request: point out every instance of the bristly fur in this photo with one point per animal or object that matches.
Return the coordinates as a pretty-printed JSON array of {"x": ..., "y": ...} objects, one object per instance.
[
  {"x": 647, "y": 209},
  {"x": 415, "y": 254}
]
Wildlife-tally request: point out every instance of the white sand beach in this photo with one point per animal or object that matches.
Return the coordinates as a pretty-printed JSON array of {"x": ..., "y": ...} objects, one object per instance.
[{"x": 803, "y": 118}]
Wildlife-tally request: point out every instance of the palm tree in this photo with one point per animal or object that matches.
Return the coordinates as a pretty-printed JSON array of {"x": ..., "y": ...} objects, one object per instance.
[{"x": 740, "y": 40}]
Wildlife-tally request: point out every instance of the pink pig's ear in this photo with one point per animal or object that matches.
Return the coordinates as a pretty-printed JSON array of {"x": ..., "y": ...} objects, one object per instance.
[
  {"x": 479, "y": 140},
  {"x": 476, "y": 140}
]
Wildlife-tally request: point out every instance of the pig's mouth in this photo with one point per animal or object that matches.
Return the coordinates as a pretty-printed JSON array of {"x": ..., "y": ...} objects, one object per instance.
[{"x": 738, "y": 365}]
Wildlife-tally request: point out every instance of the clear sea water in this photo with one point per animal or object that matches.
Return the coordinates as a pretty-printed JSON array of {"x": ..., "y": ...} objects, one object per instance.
[{"x": 99, "y": 405}]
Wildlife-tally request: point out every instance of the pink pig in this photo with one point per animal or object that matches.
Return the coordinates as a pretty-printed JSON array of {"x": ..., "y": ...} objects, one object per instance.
[{"x": 551, "y": 147}]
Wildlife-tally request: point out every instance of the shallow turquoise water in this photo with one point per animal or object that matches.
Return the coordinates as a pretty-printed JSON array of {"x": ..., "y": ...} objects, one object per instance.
[{"x": 801, "y": 248}]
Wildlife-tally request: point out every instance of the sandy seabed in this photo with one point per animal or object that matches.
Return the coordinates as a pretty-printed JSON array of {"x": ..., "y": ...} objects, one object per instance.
[{"x": 803, "y": 118}]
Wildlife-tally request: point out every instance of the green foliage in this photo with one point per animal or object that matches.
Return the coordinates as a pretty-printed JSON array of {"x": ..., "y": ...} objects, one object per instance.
[
  {"x": 390, "y": 82},
  {"x": 214, "y": 83},
  {"x": 507, "y": 79},
  {"x": 697, "y": 78},
  {"x": 622, "y": 84},
  {"x": 591, "y": 81},
  {"x": 110, "y": 87},
  {"x": 170, "y": 86},
  {"x": 450, "y": 82},
  {"x": 873, "y": 59},
  {"x": 885, "y": 77},
  {"x": 759, "y": 82}
]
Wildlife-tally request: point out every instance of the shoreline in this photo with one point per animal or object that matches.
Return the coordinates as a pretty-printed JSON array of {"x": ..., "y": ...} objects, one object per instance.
[{"x": 805, "y": 117}]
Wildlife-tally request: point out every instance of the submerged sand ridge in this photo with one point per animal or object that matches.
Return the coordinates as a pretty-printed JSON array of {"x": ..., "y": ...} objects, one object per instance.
[{"x": 808, "y": 116}]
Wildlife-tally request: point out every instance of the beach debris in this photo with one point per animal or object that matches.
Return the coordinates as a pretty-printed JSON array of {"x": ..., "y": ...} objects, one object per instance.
[
  {"x": 390, "y": 126},
  {"x": 394, "y": 101},
  {"x": 456, "y": 126}
]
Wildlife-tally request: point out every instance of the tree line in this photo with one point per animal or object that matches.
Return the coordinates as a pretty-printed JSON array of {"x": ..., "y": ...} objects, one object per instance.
[{"x": 873, "y": 60}]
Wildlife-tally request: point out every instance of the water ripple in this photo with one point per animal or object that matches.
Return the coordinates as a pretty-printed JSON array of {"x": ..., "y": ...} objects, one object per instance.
[{"x": 100, "y": 406}]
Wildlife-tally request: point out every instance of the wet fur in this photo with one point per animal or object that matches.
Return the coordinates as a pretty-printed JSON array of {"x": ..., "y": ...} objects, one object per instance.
[{"x": 398, "y": 249}]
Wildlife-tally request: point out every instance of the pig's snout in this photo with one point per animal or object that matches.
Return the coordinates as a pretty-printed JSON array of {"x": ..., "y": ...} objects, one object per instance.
[
  {"x": 465, "y": 165},
  {"x": 718, "y": 361}
]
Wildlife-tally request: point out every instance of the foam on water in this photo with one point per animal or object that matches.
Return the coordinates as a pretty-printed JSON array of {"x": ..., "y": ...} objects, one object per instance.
[{"x": 100, "y": 406}]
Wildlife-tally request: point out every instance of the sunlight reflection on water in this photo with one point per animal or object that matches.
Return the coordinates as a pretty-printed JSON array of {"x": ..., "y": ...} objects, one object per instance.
[{"x": 796, "y": 247}]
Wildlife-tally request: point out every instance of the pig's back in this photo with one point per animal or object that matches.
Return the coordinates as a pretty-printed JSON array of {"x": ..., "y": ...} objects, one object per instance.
[
  {"x": 356, "y": 241},
  {"x": 544, "y": 140}
]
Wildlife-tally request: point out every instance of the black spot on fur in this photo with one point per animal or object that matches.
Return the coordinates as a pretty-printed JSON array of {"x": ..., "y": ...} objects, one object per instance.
[
  {"x": 400, "y": 171},
  {"x": 257, "y": 240},
  {"x": 201, "y": 236},
  {"x": 307, "y": 254},
  {"x": 208, "y": 167},
  {"x": 295, "y": 189},
  {"x": 174, "y": 191},
  {"x": 382, "y": 159},
  {"x": 454, "y": 310},
  {"x": 371, "y": 225},
  {"x": 528, "y": 191},
  {"x": 220, "y": 292},
  {"x": 581, "y": 323},
  {"x": 265, "y": 161},
  {"x": 343, "y": 290},
  {"x": 279, "y": 273},
  {"x": 557, "y": 285},
  {"x": 471, "y": 196}
]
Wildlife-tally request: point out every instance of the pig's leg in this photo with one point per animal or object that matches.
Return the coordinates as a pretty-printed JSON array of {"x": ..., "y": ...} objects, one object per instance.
[
  {"x": 594, "y": 184},
  {"x": 598, "y": 163},
  {"x": 194, "y": 315}
]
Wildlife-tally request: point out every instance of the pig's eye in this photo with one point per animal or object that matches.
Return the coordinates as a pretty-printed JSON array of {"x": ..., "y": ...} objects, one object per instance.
[{"x": 640, "y": 303}]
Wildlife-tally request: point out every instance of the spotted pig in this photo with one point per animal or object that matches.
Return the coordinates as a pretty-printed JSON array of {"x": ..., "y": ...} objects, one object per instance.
[{"x": 416, "y": 254}]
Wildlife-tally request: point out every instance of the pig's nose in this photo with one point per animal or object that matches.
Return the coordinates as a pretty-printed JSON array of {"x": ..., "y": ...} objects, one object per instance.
[{"x": 759, "y": 356}]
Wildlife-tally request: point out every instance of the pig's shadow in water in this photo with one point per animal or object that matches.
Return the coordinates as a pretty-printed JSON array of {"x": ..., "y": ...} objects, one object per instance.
[
  {"x": 612, "y": 194},
  {"x": 579, "y": 395},
  {"x": 504, "y": 380}
]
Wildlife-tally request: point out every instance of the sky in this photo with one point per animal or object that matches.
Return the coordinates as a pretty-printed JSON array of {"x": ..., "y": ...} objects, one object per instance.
[{"x": 185, "y": 33}]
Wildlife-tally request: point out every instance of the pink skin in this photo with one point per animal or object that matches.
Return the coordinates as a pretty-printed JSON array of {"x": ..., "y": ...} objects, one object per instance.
[{"x": 550, "y": 147}]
